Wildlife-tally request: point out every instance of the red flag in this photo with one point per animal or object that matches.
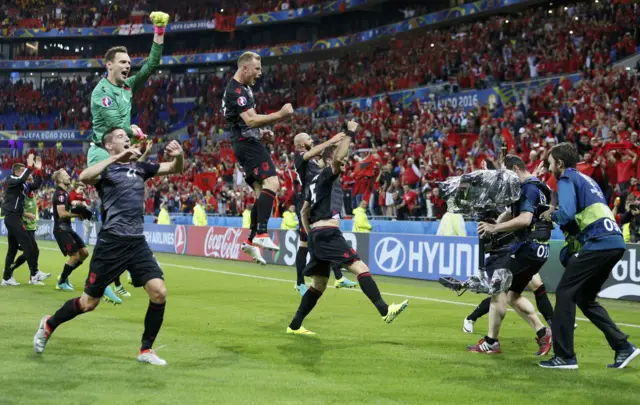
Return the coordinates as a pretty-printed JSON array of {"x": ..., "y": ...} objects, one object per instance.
[
  {"x": 225, "y": 23},
  {"x": 508, "y": 138},
  {"x": 585, "y": 168}
]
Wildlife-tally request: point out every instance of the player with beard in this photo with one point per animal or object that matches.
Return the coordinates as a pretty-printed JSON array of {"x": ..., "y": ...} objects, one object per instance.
[
  {"x": 70, "y": 243},
  {"x": 327, "y": 245},
  {"x": 121, "y": 243},
  {"x": 239, "y": 108},
  {"x": 306, "y": 163}
]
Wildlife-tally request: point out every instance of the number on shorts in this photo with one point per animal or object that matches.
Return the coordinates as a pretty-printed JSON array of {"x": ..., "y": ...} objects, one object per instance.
[{"x": 543, "y": 251}]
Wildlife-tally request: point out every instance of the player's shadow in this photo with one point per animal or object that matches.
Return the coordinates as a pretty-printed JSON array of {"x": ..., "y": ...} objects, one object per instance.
[{"x": 306, "y": 351}]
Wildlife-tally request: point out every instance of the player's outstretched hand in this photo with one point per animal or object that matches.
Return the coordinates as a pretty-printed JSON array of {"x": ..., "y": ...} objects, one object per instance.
[
  {"x": 38, "y": 163},
  {"x": 352, "y": 125},
  {"x": 174, "y": 149},
  {"x": 30, "y": 160},
  {"x": 159, "y": 19},
  {"x": 286, "y": 110},
  {"x": 337, "y": 138}
]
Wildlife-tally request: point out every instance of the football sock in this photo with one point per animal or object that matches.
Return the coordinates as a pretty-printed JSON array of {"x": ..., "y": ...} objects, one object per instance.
[
  {"x": 254, "y": 222},
  {"x": 265, "y": 205},
  {"x": 301, "y": 262},
  {"x": 543, "y": 303},
  {"x": 66, "y": 272},
  {"x": 541, "y": 333},
  {"x": 67, "y": 312},
  {"x": 152, "y": 323},
  {"x": 370, "y": 289},
  {"x": 309, "y": 300},
  {"x": 480, "y": 310}
]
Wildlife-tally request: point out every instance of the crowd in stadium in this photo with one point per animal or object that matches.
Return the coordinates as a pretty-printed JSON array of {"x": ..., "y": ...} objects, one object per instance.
[
  {"x": 402, "y": 149},
  {"x": 50, "y": 14}
]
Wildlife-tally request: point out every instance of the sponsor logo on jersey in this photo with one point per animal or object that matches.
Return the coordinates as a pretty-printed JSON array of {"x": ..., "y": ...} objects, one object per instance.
[
  {"x": 242, "y": 101},
  {"x": 106, "y": 101}
]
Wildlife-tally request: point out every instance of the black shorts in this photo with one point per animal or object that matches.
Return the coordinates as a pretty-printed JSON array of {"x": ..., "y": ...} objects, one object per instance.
[
  {"x": 255, "y": 160},
  {"x": 68, "y": 241},
  {"x": 524, "y": 264},
  {"x": 112, "y": 255},
  {"x": 327, "y": 246}
]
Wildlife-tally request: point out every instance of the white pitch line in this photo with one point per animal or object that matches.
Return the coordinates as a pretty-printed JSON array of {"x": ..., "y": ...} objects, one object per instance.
[{"x": 282, "y": 280}]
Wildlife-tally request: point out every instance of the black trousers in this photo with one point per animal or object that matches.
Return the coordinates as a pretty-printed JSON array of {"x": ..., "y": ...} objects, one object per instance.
[
  {"x": 18, "y": 236},
  {"x": 582, "y": 280}
]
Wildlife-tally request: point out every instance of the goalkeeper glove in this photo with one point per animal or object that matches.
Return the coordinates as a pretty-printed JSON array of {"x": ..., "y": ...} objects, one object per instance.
[{"x": 160, "y": 21}]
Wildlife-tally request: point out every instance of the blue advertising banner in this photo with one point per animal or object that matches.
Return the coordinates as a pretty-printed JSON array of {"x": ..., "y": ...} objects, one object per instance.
[
  {"x": 504, "y": 93},
  {"x": 332, "y": 43},
  {"x": 422, "y": 257},
  {"x": 166, "y": 238},
  {"x": 61, "y": 135}
]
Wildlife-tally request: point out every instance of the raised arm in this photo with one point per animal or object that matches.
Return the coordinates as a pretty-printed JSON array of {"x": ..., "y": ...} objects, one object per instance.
[
  {"x": 174, "y": 150},
  {"x": 255, "y": 120},
  {"x": 137, "y": 81},
  {"x": 317, "y": 150},
  {"x": 91, "y": 175}
]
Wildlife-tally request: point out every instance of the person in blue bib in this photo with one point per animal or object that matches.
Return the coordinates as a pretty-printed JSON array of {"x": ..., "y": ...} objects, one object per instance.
[{"x": 601, "y": 247}]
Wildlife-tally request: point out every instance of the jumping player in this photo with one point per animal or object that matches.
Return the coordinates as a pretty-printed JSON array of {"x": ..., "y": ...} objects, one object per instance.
[
  {"x": 112, "y": 96},
  {"x": 523, "y": 257},
  {"x": 121, "y": 243},
  {"x": 307, "y": 167},
  {"x": 17, "y": 188},
  {"x": 244, "y": 124},
  {"x": 327, "y": 245}
]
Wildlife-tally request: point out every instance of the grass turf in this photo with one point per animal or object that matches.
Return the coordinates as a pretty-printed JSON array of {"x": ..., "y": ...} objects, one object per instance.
[{"x": 224, "y": 340}]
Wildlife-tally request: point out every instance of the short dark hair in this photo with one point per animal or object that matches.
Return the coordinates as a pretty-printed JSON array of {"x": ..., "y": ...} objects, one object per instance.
[
  {"x": 110, "y": 56},
  {"x": 16, "y": 166},
  {"x": 511, "y": 161},
  {"x": 566, "y": 152},
  {"x": 108, "y": 136}
]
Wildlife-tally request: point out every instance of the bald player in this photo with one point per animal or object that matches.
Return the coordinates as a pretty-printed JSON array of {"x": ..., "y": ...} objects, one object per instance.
[{"x": 308, "y": 164}]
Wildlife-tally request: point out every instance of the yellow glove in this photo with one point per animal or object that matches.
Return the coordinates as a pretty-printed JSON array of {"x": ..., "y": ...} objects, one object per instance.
[{"x": 159, "y": 19}]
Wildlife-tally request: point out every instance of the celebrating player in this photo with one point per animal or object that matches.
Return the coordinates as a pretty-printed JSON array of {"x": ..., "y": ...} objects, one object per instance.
[
  {"x": 523, "y": 257},
  {"x": 111, "y": 98},
  {"x": 328, "y": 246},
  {"x": 244, "y": 123},
  {"x": 30, "y": 222},
  {"x": 306, "y": 165},
  {"x": 70, "y": 243},
  {"x": 602, "y": 246},
  {"x": 17, "y": 188},
  {"x": 121, "y": 242}
]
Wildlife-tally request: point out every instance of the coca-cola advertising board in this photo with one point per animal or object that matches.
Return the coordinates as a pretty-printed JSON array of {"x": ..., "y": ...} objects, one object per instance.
[{"x": 217, "y": 242}]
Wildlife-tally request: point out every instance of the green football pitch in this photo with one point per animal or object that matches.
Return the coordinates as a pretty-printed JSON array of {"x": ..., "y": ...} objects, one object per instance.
[{"x": 225, "y": 343}]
